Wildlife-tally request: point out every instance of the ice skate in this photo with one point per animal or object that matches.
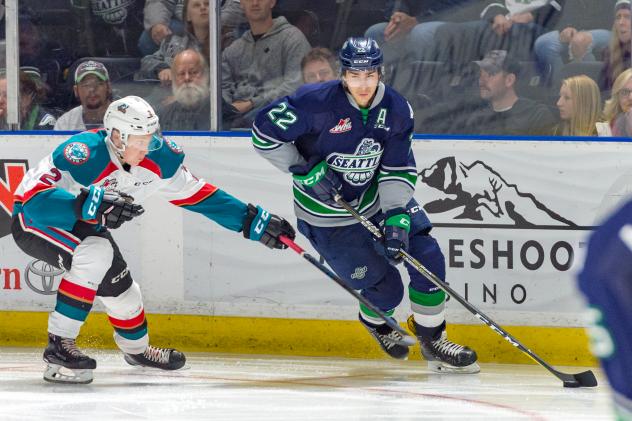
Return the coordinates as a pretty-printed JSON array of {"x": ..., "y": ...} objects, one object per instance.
[
  {"x": 162, "y": 358},
  {"x": 384, "y": 336},
  {"x": 66, "y": 363},
  {"x": 444, "y": 356}
]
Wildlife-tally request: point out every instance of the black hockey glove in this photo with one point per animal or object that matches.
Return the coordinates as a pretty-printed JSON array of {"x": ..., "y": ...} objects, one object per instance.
[
  {"x": 110, "y": 209},
  {"x": 396, "y": 229},
  {"x": 260, "y": 225},
  {"x": 318, "y": 180}
]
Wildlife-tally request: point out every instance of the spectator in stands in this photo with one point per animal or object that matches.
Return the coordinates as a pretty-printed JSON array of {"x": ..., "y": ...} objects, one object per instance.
[
  {"x": 617, "y": 56},
  {"x": 93, "y": 89},
  {"x": 580, "y": 107},
  {"x": 319, "y": 65},
  {"x": 620, "y": 102},
  {"x": 196, "y": 36},
  {"x": 409, "y": 33},
  {"x": 571, "y": 44},
  {"x": 164, "y": 17},
  {"x": 190, "y": 107},
  {"x": 111, "y": 27},
  {"x": 33, "y": 92},
  {"x": 264, "y": 63},
  {"x": 506, "y": 113},
  {"x": 505, "y": 25}
]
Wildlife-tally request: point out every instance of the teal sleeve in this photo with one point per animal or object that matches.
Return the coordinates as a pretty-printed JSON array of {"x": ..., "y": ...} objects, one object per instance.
[
  {"x": 52, "y": 208},
  {"x": 221, "y": 207}
]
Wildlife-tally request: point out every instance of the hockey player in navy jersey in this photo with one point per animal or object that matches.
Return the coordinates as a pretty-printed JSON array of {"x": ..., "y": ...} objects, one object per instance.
[
  {"x": 66, "y": 205},
  {"x": 353, "y": 136},
  {"x": 606, "y": 281}
]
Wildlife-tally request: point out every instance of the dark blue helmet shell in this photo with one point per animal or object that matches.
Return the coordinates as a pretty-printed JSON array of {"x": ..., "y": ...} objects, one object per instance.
[{"x": 360, "y": 54}]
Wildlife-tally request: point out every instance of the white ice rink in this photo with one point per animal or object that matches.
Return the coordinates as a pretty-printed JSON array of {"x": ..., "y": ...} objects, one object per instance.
[{"x": 246, "y": 387}]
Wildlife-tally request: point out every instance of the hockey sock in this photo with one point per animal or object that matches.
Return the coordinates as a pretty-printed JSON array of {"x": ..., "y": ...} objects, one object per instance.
[
  {"x": 131, "y": 329},
  {"x": 74, "y": 301},
  {"x": 428, "y": 312},
  {"x": 371, "y": 318}
]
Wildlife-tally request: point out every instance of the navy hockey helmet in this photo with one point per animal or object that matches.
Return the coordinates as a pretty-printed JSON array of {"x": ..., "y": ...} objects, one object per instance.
[{"x": 361, "y": 54}]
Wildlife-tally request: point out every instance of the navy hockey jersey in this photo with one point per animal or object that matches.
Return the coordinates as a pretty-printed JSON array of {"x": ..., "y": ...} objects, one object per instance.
[{"x": 369, "y": 149}]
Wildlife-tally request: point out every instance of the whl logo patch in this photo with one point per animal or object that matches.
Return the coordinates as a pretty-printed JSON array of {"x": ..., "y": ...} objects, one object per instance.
[
  {"x": 344, "y": 125},
  {"x": 359, "y": 272},
  {"x": 358, "y": 168}
]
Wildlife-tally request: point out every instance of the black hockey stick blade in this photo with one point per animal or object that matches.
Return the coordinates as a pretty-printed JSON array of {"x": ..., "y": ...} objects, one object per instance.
[
  {"x": 406, "y": 340},
  {"x": 583, "y": 379}
]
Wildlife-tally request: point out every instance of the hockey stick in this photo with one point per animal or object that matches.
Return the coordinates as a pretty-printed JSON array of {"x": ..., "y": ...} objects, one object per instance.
[
  {"x": 406, "y": 340},
  {"x": 584, "y": 379}
]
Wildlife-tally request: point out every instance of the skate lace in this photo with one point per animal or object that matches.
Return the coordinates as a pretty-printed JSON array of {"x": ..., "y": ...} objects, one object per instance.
[
  {"x": 390, "y": 339},
  {"x": 157, "y": 355},
  {"x": 70, "y": 345},
  {"x": 445, "y": 346}
]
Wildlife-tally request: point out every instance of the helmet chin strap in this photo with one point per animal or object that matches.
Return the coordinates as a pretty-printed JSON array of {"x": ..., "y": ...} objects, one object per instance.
[{"x": 119, "y": 152}]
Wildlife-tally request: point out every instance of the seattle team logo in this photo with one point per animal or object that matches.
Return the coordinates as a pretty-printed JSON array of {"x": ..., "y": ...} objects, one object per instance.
[
  {"x": 76, "y": 153},
  {"x": 358, "y": 168}
]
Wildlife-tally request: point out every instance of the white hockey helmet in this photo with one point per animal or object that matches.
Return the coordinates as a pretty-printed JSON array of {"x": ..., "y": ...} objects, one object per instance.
[{"x": 132, "y": 115}]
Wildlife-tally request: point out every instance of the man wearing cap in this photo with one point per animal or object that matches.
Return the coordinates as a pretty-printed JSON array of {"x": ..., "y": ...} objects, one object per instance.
[
  {"x": 92, "y": 88},
  {"x": 507, "y": 114}
]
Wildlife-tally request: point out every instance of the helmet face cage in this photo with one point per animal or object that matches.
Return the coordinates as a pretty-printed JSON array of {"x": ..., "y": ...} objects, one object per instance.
[
  {"x": 361, "y": 54},
  {"x": 132, "y": 115}
]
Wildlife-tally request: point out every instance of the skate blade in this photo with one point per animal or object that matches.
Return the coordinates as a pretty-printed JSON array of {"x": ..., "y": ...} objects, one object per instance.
[
  {"x": 441, "y": 367},
  {"x": 133, "y": 363},
  {"x": 55, "y": 373}
]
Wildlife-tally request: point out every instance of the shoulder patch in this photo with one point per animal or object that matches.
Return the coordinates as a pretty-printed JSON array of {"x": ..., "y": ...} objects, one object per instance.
[
  {"x": 76, "y": 153},
  {"x": 173, "y": 146}
]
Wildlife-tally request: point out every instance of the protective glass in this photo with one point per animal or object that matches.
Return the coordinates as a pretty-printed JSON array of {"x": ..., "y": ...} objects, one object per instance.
[{"x": 149, "y": 143}]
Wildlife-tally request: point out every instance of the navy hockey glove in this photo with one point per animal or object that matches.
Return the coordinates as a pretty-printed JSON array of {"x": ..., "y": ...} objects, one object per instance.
[
  {"x": 318, "y": 180},
  {"x": 396, "y": 229},
  {"x": 110, "y": 209},
  {"x": 265, "y": 227}
]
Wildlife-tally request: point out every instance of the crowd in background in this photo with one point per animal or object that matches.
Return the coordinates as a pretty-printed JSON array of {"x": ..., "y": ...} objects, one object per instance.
[{"x": 533, "y": 67}]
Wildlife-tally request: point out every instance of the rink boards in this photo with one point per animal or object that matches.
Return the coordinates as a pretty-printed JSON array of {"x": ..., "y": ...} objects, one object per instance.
[{"x": 512, "y": 218}]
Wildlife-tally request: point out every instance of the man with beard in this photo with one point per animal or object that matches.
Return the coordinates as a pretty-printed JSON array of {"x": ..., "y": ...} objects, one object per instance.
[
  {"x": 190, "y": 108},
  {"x": 93, "y": 89}
]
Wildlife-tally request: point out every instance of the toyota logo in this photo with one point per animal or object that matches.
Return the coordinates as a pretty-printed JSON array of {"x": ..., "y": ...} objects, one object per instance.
[{"x": 41, "y": 277}]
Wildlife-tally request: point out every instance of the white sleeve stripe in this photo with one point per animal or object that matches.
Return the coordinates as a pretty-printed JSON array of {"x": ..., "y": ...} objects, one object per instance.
[
  {"x": 263, "y": 136},
  {"x": 625, "y": 234}
]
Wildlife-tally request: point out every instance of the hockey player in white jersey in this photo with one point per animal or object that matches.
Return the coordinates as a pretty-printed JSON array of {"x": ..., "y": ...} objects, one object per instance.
[{"x": 94, "y": 182}]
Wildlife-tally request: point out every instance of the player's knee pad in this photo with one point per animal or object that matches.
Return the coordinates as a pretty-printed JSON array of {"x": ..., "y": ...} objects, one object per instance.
[
  {"x": 125, "y": 306},
  {"x": 426, "y": 250},
  {"x": 91, "y": 260}
]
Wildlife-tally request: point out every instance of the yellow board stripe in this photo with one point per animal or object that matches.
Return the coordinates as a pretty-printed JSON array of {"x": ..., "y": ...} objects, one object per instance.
[{"x": 324, "y": 338}]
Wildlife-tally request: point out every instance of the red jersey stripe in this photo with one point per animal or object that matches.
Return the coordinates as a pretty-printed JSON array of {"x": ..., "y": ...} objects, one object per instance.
[
  {"x": 206, "y": 191},
  {"x": 77, "y": 290}
]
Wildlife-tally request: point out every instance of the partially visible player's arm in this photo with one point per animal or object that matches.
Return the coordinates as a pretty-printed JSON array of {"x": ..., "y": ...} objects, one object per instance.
[
  {"x": 276, "y": 127},
  {"x": 398, "y": 172}
]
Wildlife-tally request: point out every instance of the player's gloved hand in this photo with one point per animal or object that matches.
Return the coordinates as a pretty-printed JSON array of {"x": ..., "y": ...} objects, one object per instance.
[
  {"x": 110, "y": 209},
  {"x": 265, "y": 227},
  {"x": 396, "y": 229},
  {"x": 318, "y": 180}
]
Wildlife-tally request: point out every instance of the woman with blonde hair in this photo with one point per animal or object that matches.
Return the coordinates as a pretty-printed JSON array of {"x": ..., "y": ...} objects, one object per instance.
[
  {"x": 580, "y": 107},
  {"x": 620, "y": 102},
  {"x": 617, "y": 57}
]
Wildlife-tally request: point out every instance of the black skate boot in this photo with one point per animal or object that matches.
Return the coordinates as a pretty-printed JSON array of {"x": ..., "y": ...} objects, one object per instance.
[
  {"x": 162, "y": 358},
  {"x": 445, "y": 356},
  {"x": 383, "y": 334},
  {"x": 62, "y": 353}
]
